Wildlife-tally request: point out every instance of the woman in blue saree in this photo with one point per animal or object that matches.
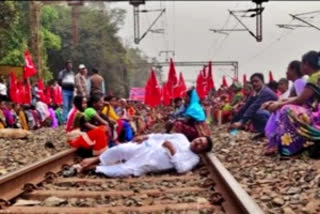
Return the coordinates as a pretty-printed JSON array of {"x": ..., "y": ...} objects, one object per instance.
[
  {"x": 299, "y": 118},
  {"x": 193, "y": 124}
]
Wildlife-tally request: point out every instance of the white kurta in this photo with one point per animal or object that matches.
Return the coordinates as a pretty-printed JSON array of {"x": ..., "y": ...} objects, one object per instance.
[{"x": 149, "y": 156}]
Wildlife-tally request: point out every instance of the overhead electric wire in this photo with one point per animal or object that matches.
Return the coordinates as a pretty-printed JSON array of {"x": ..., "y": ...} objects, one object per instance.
[
  {"x": 274, "y": 41},
  {"x": 152, "y": 36},
  {"x": 226, "y": 37}
]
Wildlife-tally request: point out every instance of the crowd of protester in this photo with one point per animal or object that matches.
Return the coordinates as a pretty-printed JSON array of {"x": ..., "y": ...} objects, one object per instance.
[{"x": 285, "y": 112}]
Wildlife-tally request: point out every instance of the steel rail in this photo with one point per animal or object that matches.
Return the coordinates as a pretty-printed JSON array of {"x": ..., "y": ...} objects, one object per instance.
[
  {"x": 12, "y": 184},
  {"x": 236, "y": 200}
]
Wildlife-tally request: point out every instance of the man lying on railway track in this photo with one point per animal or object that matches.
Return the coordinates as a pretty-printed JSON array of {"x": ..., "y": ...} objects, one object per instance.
[{"x": 149, "y": 153}]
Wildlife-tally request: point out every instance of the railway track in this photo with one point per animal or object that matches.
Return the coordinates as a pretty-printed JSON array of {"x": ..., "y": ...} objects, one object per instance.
[{"x": 41, "y": 188}]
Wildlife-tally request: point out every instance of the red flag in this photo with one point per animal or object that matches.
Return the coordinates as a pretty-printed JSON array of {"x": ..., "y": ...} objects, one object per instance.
[
  {"x": 47, "y": 95},
  {"x": 41, "y": 90},
  {"x": 165, "y": 94},
  {"x": 182, "y": 85},
  {"x": 13, "y": 87},
  {"x": 172, "y": 83},
  {"x": 200, "y": 87},
  {"x": 29, "y": 68},
  {"x": 27, "y": 92},
  {"x": 210, "y": 83},
  {"x": 57, "y": 95},
  {"x": 20, "y": 93},
  {"x": 224, "y": 81},
  {"x": 270, "y": 76},
  {"x": 244, "y": 78},
  {"x": 172, "y": 76},
  {"x": 153, "y": 91}
]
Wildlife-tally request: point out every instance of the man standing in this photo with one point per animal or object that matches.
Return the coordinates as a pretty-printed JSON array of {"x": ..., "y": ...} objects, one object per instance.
[
  {"x": 96, "y": 83},
  {"x": 81, "y": 82},
  {"x": 66, "y": 80}
]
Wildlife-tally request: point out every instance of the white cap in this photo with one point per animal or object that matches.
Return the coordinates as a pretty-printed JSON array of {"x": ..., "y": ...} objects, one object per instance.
[{"x": 82, "y": 66}]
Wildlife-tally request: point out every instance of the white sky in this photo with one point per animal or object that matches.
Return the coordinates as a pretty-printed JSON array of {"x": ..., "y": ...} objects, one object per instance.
[{"x": 187, "y": 23}]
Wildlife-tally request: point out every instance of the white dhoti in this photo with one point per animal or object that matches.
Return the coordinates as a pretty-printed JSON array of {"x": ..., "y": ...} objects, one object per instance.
[{"x": 149, "y": 156}]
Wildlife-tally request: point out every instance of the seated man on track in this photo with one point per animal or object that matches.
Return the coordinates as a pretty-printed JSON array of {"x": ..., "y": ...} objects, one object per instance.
[{"x": 150, "y": 153}]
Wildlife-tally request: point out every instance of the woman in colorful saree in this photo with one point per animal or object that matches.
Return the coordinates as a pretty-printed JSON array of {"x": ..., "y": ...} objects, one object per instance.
[
  {"x": 83, "y": 134},
  {"x": 193, "y": 124},
  {"x": 296, "y": 117},
  {"x": 120, "y": 122}
]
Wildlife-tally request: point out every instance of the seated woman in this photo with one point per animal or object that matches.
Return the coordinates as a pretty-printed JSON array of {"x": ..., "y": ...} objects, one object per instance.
[
  {"x": 285, "y": 133},
  {"x": 22, "y": 116},
  {"x": 283, "y": 88},
  {"x": 223, "y": 109},
  {"x": 2, "y": 117},
  {"x": 193, "y": 124},
  {"x": 247, "y": 93},
  {"x": 43, "y": 110},
  {"x": 120, "y": 122},
  {"x": 295, "y": 75},
  {"x": 81, "y": 133},
  {"x": 151, "y": 153}
]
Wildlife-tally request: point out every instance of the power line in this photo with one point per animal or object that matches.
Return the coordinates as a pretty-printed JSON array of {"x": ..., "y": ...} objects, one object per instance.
[
  {"x": 275, "y": 41},
  {"x": 226, "y": 37},
  {"x": 152, "y": 36}
]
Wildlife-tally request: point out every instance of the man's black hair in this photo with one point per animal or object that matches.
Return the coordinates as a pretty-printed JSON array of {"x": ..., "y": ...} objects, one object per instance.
[
  {"x": 209, "y": 144},
  {"x": 108, "y": 98},
  {"x": 273, "y": 85},
  {"x": 95, "y": 71},
  {"x": 176, "y": 100},
  {"x": 258, "y": 75}
]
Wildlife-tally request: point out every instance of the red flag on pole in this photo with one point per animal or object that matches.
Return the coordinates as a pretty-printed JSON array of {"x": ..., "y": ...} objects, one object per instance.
[
  {"x": 41, "y": 90},
  {"x": 172, "y": 76},
  {"x": 270, "y": 76},
  {"x": 172, "y": 83},
  {"x": 165, "y": 94},
  {"x": 224, "y": 81},
  {"x": 244, "y": 79},
  {"x": 48, "y": 95},
  {"x": 29, "y": 68},
  {"x": 210, "y": 83},
  {"x": 20, "y": 92},
  {"x": 201, "y": 85},
  {"x": 57, "y": 95},
  {"x": 13, "y": 87},
  {"x": 28, "y": 94},
  {"x": 182, "y": 86},
  {"x": 152, "y": 91}
]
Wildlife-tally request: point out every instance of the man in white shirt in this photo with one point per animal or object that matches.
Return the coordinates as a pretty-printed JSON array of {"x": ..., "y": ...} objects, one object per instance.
[
  {"x": 3, "y": 90},
  {"x": 151, "y": 153}
]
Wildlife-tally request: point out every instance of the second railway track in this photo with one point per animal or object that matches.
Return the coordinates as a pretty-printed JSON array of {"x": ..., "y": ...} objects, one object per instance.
[{"x": 41, "y": 188}]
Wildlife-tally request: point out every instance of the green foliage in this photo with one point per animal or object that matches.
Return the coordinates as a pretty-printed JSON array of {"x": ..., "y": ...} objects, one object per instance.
[
  {"x": 8, "y": 15},
  {"x": 99, "y": 45}
]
